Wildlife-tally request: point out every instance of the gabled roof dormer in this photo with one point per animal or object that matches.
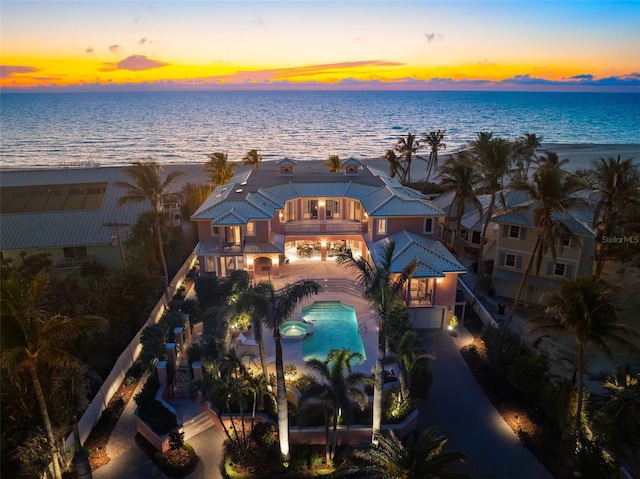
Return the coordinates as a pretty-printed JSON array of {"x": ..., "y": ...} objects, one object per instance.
[
  {"x": 351, "y": 166},
  {"x": 285, "y": 166}
]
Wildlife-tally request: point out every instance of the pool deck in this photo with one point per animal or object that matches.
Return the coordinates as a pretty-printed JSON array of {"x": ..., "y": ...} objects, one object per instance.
[{"x": 328, "y": 274}]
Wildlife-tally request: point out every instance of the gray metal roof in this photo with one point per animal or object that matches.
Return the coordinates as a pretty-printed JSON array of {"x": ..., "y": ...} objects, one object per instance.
[{"x": 67, "y": 228}]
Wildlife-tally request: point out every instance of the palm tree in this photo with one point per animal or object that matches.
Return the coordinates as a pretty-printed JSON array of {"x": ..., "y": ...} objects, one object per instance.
[
  {"x": 617, "y": 183},
  {"x": 395, "y": 167},
  {"x": 219, "y": 167},
  {"x": 493, "y": 159},
  {"x": 582, "y": 308},
  {"x": 274, "y": 309},
  {"x": 33, "y": 337},
  {"x": 405, "y": 352},
  {"x": 337, "y": 386},
  {"x": 252, "y": 158},
  {"x": 460, "y": 176},
  {"x": 551, "y": 191},
  {"x": 147, "y": 185},
  {"x": 619, "y": 404},
  {"x": 391, "y": 459},
  {"x": 525, "y": 152},
  {"x": 381, "y": 288},
  {"x": 407, "y": 148},
  {"x": 333, "y": 163},
  {"x": 434, "y": 140}
]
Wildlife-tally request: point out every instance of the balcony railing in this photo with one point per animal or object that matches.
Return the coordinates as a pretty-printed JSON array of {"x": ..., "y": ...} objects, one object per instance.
[{"x": 318, "y": 227}]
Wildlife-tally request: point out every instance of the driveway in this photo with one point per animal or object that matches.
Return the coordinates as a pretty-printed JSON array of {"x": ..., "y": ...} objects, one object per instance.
[{"x": 459, "y": 409}]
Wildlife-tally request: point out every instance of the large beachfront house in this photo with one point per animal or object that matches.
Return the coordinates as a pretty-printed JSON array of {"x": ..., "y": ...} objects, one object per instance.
[
  {"x": 510, "y": 239},
  {"x": 264, "y": 219},
  {"x": 71, "y": 215}
]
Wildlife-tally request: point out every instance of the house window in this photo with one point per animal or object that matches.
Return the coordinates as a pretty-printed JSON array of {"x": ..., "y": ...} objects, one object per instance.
[
  {"x": 514, "y": 232},
  {"x": 559, "y": 269},
  {"x": 382, "y": 226},
  {"x": 333, "y": 209},
  {"x": 215, "y": 231},
  {"x": 510, "y": 260},
  {"x": 428, "y": 225},
  {"x": 311, "y": 209},
  {"x": 565, "y": 236},
  {"x": 355, "y": 211},
  {"x": 475, "y": 237},
  {"x": 290, "y": 211},
  {"x": 74, "y": 254},
  {"x": 464, "y": 234},
  {"x": 251, "y": 228}
]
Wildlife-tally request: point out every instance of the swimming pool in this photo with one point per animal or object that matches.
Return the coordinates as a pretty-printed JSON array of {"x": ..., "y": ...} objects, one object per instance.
[{"x": 335, "y": 327}]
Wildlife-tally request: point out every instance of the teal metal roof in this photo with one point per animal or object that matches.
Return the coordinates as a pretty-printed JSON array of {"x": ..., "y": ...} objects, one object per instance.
[{"x": 434, "y": 259}]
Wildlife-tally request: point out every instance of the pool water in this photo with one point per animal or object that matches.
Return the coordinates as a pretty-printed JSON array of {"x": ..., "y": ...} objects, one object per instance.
[{"x": 335, "y": 327}]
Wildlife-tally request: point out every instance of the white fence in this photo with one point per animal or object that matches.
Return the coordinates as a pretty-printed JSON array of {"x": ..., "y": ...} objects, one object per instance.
[
  {"x": 126, "y": 359},
  {"x": 476, "y": 305}
]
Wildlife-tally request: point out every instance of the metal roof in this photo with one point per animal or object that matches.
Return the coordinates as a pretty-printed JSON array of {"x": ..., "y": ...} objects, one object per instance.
[
  {"x": 49, "y": 229},
  {"x": 434, "y": 259}
]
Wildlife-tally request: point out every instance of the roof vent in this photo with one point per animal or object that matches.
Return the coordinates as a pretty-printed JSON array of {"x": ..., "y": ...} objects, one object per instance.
[{"x": 239, "y": 190}]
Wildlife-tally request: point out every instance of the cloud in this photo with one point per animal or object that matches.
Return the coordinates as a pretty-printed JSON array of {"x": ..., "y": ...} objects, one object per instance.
[
  {"x": 134, "y": 63},
  {"x": 89, "y": 50},
  {"x": 257, "y": 22},
  {"x": 142, "y": 41},
  {"x": 433, "y": 36},
  {"x": 586, "y": 76},
  {"x": 115, "y": 49},
  {"x": 7, "y": 71}
]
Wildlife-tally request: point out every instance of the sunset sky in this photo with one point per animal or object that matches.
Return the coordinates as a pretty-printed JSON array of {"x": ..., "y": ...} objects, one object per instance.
[{"x": 436, "y": 45}]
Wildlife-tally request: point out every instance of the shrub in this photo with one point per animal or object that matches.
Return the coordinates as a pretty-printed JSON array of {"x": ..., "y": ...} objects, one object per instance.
[
  {"x": 149, "y": 390},
  {"x": 208, "y": 290},
  {"x": 158, "y": 417},
  {"x": 421, "y": 378},
  {"x": 153, "y": 345},
  {"x": 177, "y": 462}
]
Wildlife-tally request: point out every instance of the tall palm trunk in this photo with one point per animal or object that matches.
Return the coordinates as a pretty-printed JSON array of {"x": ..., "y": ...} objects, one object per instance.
[
  {"x": 327, "y": 438},
  {"x": 334, "y": 444},
  {"x": 378, "y": 377},
  {"x": 42, "y": 403},
  {"x": 523, "y": 281},
  {"x": 165, "y": 271},
  {"x": 257, "y": 335},
  {"x": 580, "y": 387},
  {"x": 604, "y": 229},
  {"x": 281, "y": 399},
  {"x": 483, "y": 237}
]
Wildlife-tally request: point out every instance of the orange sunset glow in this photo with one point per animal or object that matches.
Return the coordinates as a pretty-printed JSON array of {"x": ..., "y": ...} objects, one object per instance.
[{"x": 75, "y": 46}]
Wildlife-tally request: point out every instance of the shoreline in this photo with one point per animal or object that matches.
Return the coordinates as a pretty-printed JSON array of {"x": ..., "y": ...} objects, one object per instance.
[{"x": 580, "y": 155}]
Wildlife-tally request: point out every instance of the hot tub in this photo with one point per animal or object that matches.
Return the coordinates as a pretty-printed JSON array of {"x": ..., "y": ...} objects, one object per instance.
[{"x": 293, "y": 330}]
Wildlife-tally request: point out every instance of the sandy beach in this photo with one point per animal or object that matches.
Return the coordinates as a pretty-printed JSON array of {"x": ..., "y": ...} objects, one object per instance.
[{"x": 579, "y": 155}]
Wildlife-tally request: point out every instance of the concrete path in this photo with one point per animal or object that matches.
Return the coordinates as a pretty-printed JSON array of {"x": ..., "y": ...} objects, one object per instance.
[
  {"x": 128, "y": 461},
  {"x": 459, "y": 409}
]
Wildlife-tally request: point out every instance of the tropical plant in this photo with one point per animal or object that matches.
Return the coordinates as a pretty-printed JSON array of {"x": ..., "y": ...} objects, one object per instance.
[
  {"x": 406, "y": 352},
  {"x": 395, "y": 167},
  {"x": 619, "y": 404},
  {"x": 252, "y": 158},
  {"x": 434, "y": 140},
  {"x": 275, "y": 308},
  {"x": 551, "y": 191},
  {"x": 381, "y": 289},
  {"x": 582, "y": 308},
  {"x": 193, "y": 195},
  {"x": 525, "y": 148},
  {"x": 334, "y": 164},
  {"x": 219, "y": 167},
  {"x": 407, "y": 148},
  {"x": 389, "y": 458},
  {"x": 617, "y": 183},
  {"x": 148, "y": 186},
  {"x": 459, "y": 175},
  {"x": 336, "y": 386},
  {"x": 34, "y": 338},
  {"x": 492, "y": 159}
]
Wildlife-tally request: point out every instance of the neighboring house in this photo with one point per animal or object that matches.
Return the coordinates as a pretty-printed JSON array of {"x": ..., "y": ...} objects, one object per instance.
[
  {"x": 263, "y": 219},
  {"x": 516, "y": 239},
  {"x": 63, "y": 213},
  {"x": 511, "y": 237}
]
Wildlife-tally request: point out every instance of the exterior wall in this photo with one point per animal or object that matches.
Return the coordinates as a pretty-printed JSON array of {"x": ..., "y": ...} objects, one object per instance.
[
  {"x": 204, "y": 231},
  {"x": 414, "y": 224},
  {"x": 445, "y": 293}
]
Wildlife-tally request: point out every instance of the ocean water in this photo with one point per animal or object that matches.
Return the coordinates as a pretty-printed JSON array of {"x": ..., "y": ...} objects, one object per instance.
[{"x": 52, "y": 129}]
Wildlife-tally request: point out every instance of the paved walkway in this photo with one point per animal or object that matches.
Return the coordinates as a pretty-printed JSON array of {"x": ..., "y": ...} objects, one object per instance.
[
  {"x": 128, "y": 461},
  {"x": 459, "y": 409}
]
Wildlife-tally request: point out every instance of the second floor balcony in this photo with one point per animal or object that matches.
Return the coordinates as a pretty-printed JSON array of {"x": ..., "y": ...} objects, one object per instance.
[{"x": 324, "y": 227}]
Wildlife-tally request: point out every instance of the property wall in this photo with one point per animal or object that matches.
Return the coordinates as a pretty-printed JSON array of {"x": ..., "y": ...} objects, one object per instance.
[{"x": 445, "y": 293}]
